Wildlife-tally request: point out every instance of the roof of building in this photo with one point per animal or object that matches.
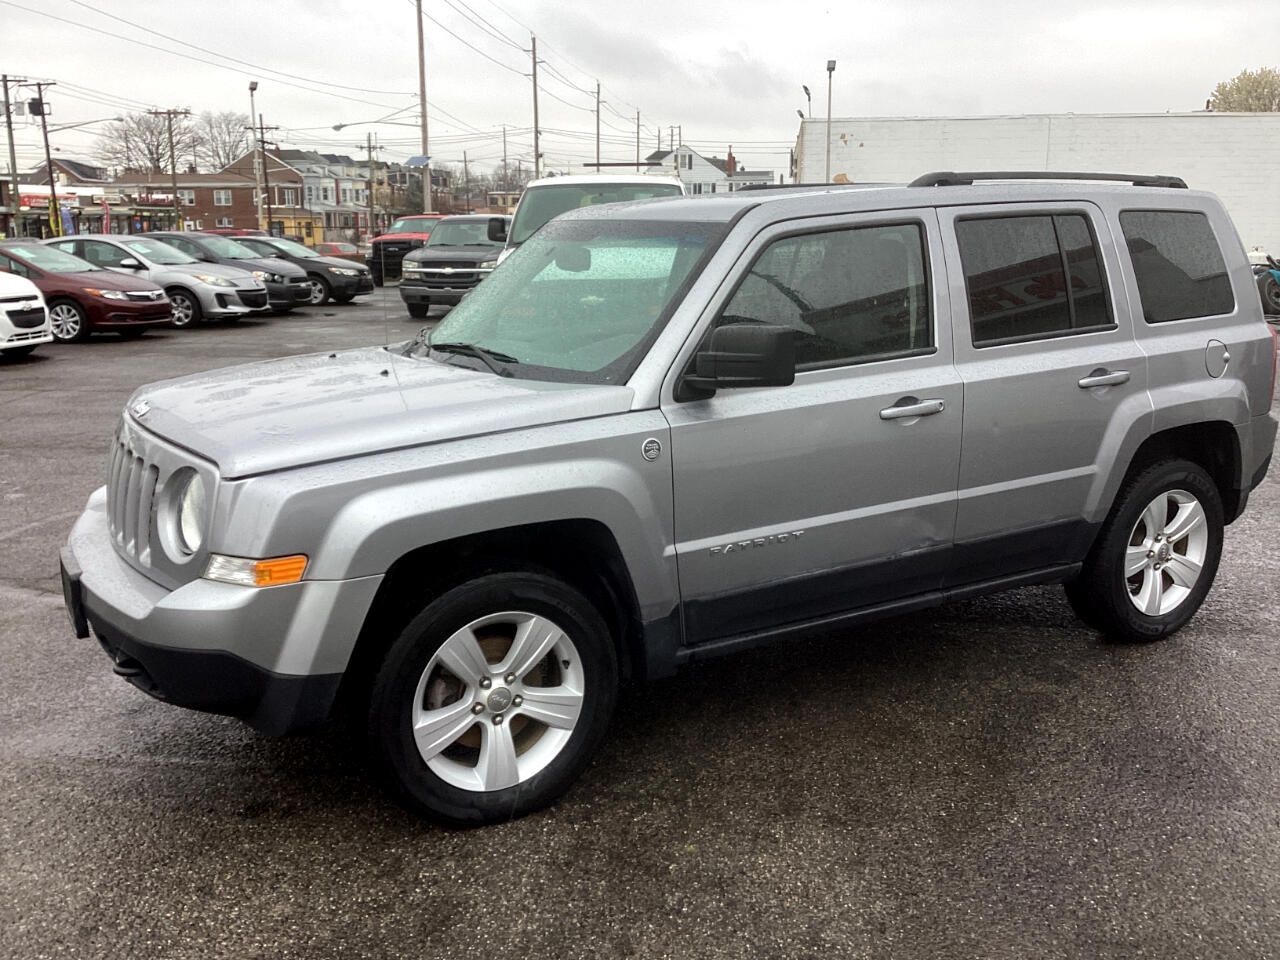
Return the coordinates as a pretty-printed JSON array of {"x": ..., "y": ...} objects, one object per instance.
[{"x": 77, "y": 168}]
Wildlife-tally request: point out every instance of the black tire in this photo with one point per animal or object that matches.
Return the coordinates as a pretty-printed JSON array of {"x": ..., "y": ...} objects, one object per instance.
[
  {"x": 16, "y": 353},
  {"x": 187, "y": 311},
  {"x": 419, "y": 311},
  {"x": 70, "y": 323},
  {"x": 1270, "y": 289},
  {"x": 321, "y": 291},
  {"x": 1101, "y": 596},
  {"x": 391, "y": 698}
]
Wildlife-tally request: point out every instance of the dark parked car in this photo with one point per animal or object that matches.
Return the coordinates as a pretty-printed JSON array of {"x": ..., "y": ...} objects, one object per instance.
[
  {"x": 329, "y": 278},
  {"x": 286, "y": 285},
  {"x": 85, "y": 299},
  {"x": 388, "y": 250},
  {"x": 456, "y": 258}
]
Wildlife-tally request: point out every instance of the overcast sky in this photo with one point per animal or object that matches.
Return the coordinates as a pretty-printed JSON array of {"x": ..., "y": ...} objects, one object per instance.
[{"x": 727, "y": 73}]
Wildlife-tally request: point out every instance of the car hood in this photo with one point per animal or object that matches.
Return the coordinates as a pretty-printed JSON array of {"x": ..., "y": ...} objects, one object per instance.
[
  {"x": 211, "y": 270},
  {"x": 277, "y": 414},
  {"x": 103, "y": 280},
  {"x": 272, "y": 265},
  {"x": 467, "y": 251},
  {"x": 331, "y": 262}
]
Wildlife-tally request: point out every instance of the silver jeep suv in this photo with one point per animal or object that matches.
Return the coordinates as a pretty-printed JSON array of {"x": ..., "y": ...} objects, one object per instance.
[{"x": 668, "y": 430}]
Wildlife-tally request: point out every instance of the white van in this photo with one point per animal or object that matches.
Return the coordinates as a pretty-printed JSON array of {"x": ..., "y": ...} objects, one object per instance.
[
  {"x": 551, "y": 196},
  {"x": 24, "y": 318}
]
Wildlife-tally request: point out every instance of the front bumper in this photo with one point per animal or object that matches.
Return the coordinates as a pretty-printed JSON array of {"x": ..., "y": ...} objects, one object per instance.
[
  {"x": 273, "y": 657},
  {"x": 285, "y": 296},
  {"x": 351, "y": 286},
  {"x": 231, "y": 301},
  {"x": 116, "y": 315}
]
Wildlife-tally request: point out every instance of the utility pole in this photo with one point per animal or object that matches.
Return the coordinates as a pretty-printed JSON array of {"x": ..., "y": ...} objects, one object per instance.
[
  {"x": 368, "y": 142},
  {"x": 422, "y": 104},
  {"x": 15, "y": 199},
  {"x": 537, "y": 157},
  {"x": 637, "y": 141},
  {"x": 597, "y": 126},
  {"x": 266, "y": 172},
  {"x": 173, "y": 160},
  {"x": 831, "y": 69},
  {"x": 257, "y": 160},
  {"x": 506, "y": 176},
  {"x": 55, "y": 211},
  {"x": 466, "y": 180}
]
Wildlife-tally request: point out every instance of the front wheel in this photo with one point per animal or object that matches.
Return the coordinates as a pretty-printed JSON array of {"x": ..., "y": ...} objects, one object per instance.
[
  {"x": 70, "y": 325},
  {"x": 492, "y": 701},
  {"x": 1271, "y": 296},
  {"x": 320, "y": 291},
  {"x": 419, "y": 311},
  {"x": 1155, "y": 557},
  {"x": 184, "y": 308}
]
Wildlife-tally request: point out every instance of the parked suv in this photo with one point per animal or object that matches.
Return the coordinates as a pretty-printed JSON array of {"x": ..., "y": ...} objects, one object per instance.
[
  {"x": 84, "y": 299},
  {"x": 286, "y": 284},
  {"x": 670, "y": 430},
  {"x": 328, "y": 278},
  {"x": 456, "y": 258},
  {"x": 197, "y": 290}
]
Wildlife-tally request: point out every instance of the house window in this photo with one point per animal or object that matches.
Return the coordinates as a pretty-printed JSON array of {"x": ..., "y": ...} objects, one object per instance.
[
  {"x": 188, "y": 197},
  {"x": 325, "y": 195},
  {"x": 290, "y": 197},
  {"x": 225, "y": 222},
  {"x": 222, "y": 198},
  {"x": 311, "y": 194},
  {"x": 346, "y": 195}
]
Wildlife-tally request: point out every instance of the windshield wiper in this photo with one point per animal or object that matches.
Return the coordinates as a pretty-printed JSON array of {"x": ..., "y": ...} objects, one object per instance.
[{"x": 490, "y": 358}]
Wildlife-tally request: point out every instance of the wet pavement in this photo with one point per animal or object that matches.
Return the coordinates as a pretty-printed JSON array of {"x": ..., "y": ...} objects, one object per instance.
[{"x": 984, "y": 780}]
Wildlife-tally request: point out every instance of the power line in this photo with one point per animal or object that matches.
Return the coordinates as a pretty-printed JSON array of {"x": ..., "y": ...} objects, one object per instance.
[{"x": 476, "y": 20}]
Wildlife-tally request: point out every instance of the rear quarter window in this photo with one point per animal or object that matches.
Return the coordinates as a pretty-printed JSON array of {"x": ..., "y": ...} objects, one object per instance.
[{"x": 1178, "y": 265}]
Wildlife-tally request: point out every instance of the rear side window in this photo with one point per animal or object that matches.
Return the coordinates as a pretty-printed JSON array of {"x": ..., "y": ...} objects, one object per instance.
[
  {"x": 1178, "y": 265},
  {"x": 852, "y": 295},
  {"x": 1032, "y": 277}
]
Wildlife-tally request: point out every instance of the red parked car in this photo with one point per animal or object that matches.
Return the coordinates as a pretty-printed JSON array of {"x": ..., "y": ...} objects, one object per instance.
[
  {"x": 344, "y": 251},
  {"x": 84, "y": 298},
  {"x": 386, "y": 252}
]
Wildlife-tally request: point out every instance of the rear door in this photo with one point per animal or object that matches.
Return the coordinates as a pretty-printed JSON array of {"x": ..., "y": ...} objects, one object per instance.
[
  {"x": 837, "y": 492},
  {"x": 1054, "y": 381}
]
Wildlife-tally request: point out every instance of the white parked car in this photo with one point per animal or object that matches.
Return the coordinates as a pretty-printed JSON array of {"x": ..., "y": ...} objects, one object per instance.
[{"x": 24, "y": 318}]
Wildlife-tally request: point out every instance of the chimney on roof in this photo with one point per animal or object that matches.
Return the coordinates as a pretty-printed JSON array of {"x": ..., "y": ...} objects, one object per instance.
[{"x": 730, "y": 164}]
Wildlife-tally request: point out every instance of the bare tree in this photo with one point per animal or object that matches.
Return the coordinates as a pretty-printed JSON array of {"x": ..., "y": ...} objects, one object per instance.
[
  {"x": 1251, "y": 91},
  {"x": 223, "y": 138},
  {"x": 140, "y": 142}
]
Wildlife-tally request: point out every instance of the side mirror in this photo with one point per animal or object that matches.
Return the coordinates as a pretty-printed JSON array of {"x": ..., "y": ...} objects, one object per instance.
[
  {"x": 129, "y": 263},
  {"x": 742, "y": 355},
  {"x": 497, "y": 230}
]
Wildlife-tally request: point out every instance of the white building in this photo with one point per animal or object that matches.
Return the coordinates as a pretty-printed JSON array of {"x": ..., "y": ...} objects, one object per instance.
[
  {"x": 706, "y": 174},
  {"x": 1235, "y": 155}
]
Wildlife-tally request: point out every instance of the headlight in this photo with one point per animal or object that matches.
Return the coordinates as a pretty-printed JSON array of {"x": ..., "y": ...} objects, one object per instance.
[
  {"x": 489, "y": 264},
  {"x": 344, "y": 272},
  {"x": 107, "y": 294},
  {"x": 214, "y": 281},
  {"x": 266, "y": 277},
  {"x": 191, "y": 515},
  {"x": 247, "y": 572}
]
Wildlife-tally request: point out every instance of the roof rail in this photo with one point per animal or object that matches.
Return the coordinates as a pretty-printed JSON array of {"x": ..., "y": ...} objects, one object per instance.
[
  {"x": 798, "y": 186},
  {"x": 950, "y": 179}
]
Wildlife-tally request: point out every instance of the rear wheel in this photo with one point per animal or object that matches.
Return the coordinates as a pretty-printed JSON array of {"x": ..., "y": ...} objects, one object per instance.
[
  {"x": 1156, "y": 556},
  {"x": 493, "y": 700},
  {"x": 1271, "y": 296},
  {"x": 70, "y": 325},
  {"x": 320, "y": 290},
  {"x": 185, "y": 308}
]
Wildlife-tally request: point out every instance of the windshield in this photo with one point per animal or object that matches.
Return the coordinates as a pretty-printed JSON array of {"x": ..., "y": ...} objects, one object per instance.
[
  {"x": 413, "y": 225},
  {"x": 157, "y": 252},
  {"x": 458, "y": 233},
  {"x": 583, "y": 299},
  {"x": 540, "y": 204},
  {"x": 50, "y": 259},
  {"x": 291, "y": 247},
  {"x": 231, "y": 249}
]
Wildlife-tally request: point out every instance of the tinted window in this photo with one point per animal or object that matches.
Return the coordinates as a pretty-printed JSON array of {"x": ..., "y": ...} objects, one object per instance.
[
  {"x": 103, "y": 254},
  {"x": 540, "y": 204},
  {"x": 1178, "y": 265},
  {"x": 851, "y": 295},
  {"x": 1016, "y": 273},
  {"x": 14, "y": 267},
  {"x": 47, "y": 258}
]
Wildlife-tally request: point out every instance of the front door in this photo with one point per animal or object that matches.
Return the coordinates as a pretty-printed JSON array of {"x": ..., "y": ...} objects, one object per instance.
[{"x": 837, "y": 492}]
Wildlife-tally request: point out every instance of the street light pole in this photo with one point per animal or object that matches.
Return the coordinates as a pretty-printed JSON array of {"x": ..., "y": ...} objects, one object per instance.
[
  {"x": 831, "y": 69},
  {"x": 368, "y": 142},
  {"x": 808, "y": 96},
  {"x": 257, "y": 160},
  {"x": 55, "y": 211},
  {"x": 14, "y": 198},
  {"x": 422, "y": 104},
  {"x": 537, "y": 156}
]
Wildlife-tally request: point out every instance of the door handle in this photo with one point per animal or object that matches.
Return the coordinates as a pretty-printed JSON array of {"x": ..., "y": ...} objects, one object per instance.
[
  {"x": 912, "y": 408},
  {"x": 1104, "y": 378}
]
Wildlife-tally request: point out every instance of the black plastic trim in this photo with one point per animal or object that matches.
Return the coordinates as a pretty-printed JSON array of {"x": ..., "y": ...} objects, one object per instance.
[
  {"x": 1009, "y": 554},
  {"x": 966, "y": 179}
]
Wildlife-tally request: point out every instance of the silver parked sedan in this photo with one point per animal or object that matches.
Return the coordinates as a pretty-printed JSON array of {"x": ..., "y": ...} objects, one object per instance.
[{"x": 198, "y": 290}]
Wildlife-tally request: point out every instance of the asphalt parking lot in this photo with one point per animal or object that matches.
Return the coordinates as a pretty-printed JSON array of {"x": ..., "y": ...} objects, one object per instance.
[{"x": 985, "y": 780}]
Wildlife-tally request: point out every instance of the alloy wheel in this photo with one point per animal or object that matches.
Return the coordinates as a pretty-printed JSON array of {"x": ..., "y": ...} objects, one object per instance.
[
  {"x": 66, "y": 321},
  {"x": 318, "y": 293},
  {"x": 183, "y": 311},
  {"x": 498, "y": 701},
  {"x": 1166, "y": 553}
]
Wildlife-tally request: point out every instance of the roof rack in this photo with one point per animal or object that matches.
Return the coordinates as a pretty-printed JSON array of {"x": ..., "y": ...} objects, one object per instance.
[
  {"x": 798, "y": 186},
  {"x": 950, "y": 179}
]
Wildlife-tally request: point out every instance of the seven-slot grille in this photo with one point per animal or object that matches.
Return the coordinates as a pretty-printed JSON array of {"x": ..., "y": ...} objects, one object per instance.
[
  {"x": 146, "y": 296},
  {"x": 26, "y": 319},
  {"x": 131, "y": 492}
]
